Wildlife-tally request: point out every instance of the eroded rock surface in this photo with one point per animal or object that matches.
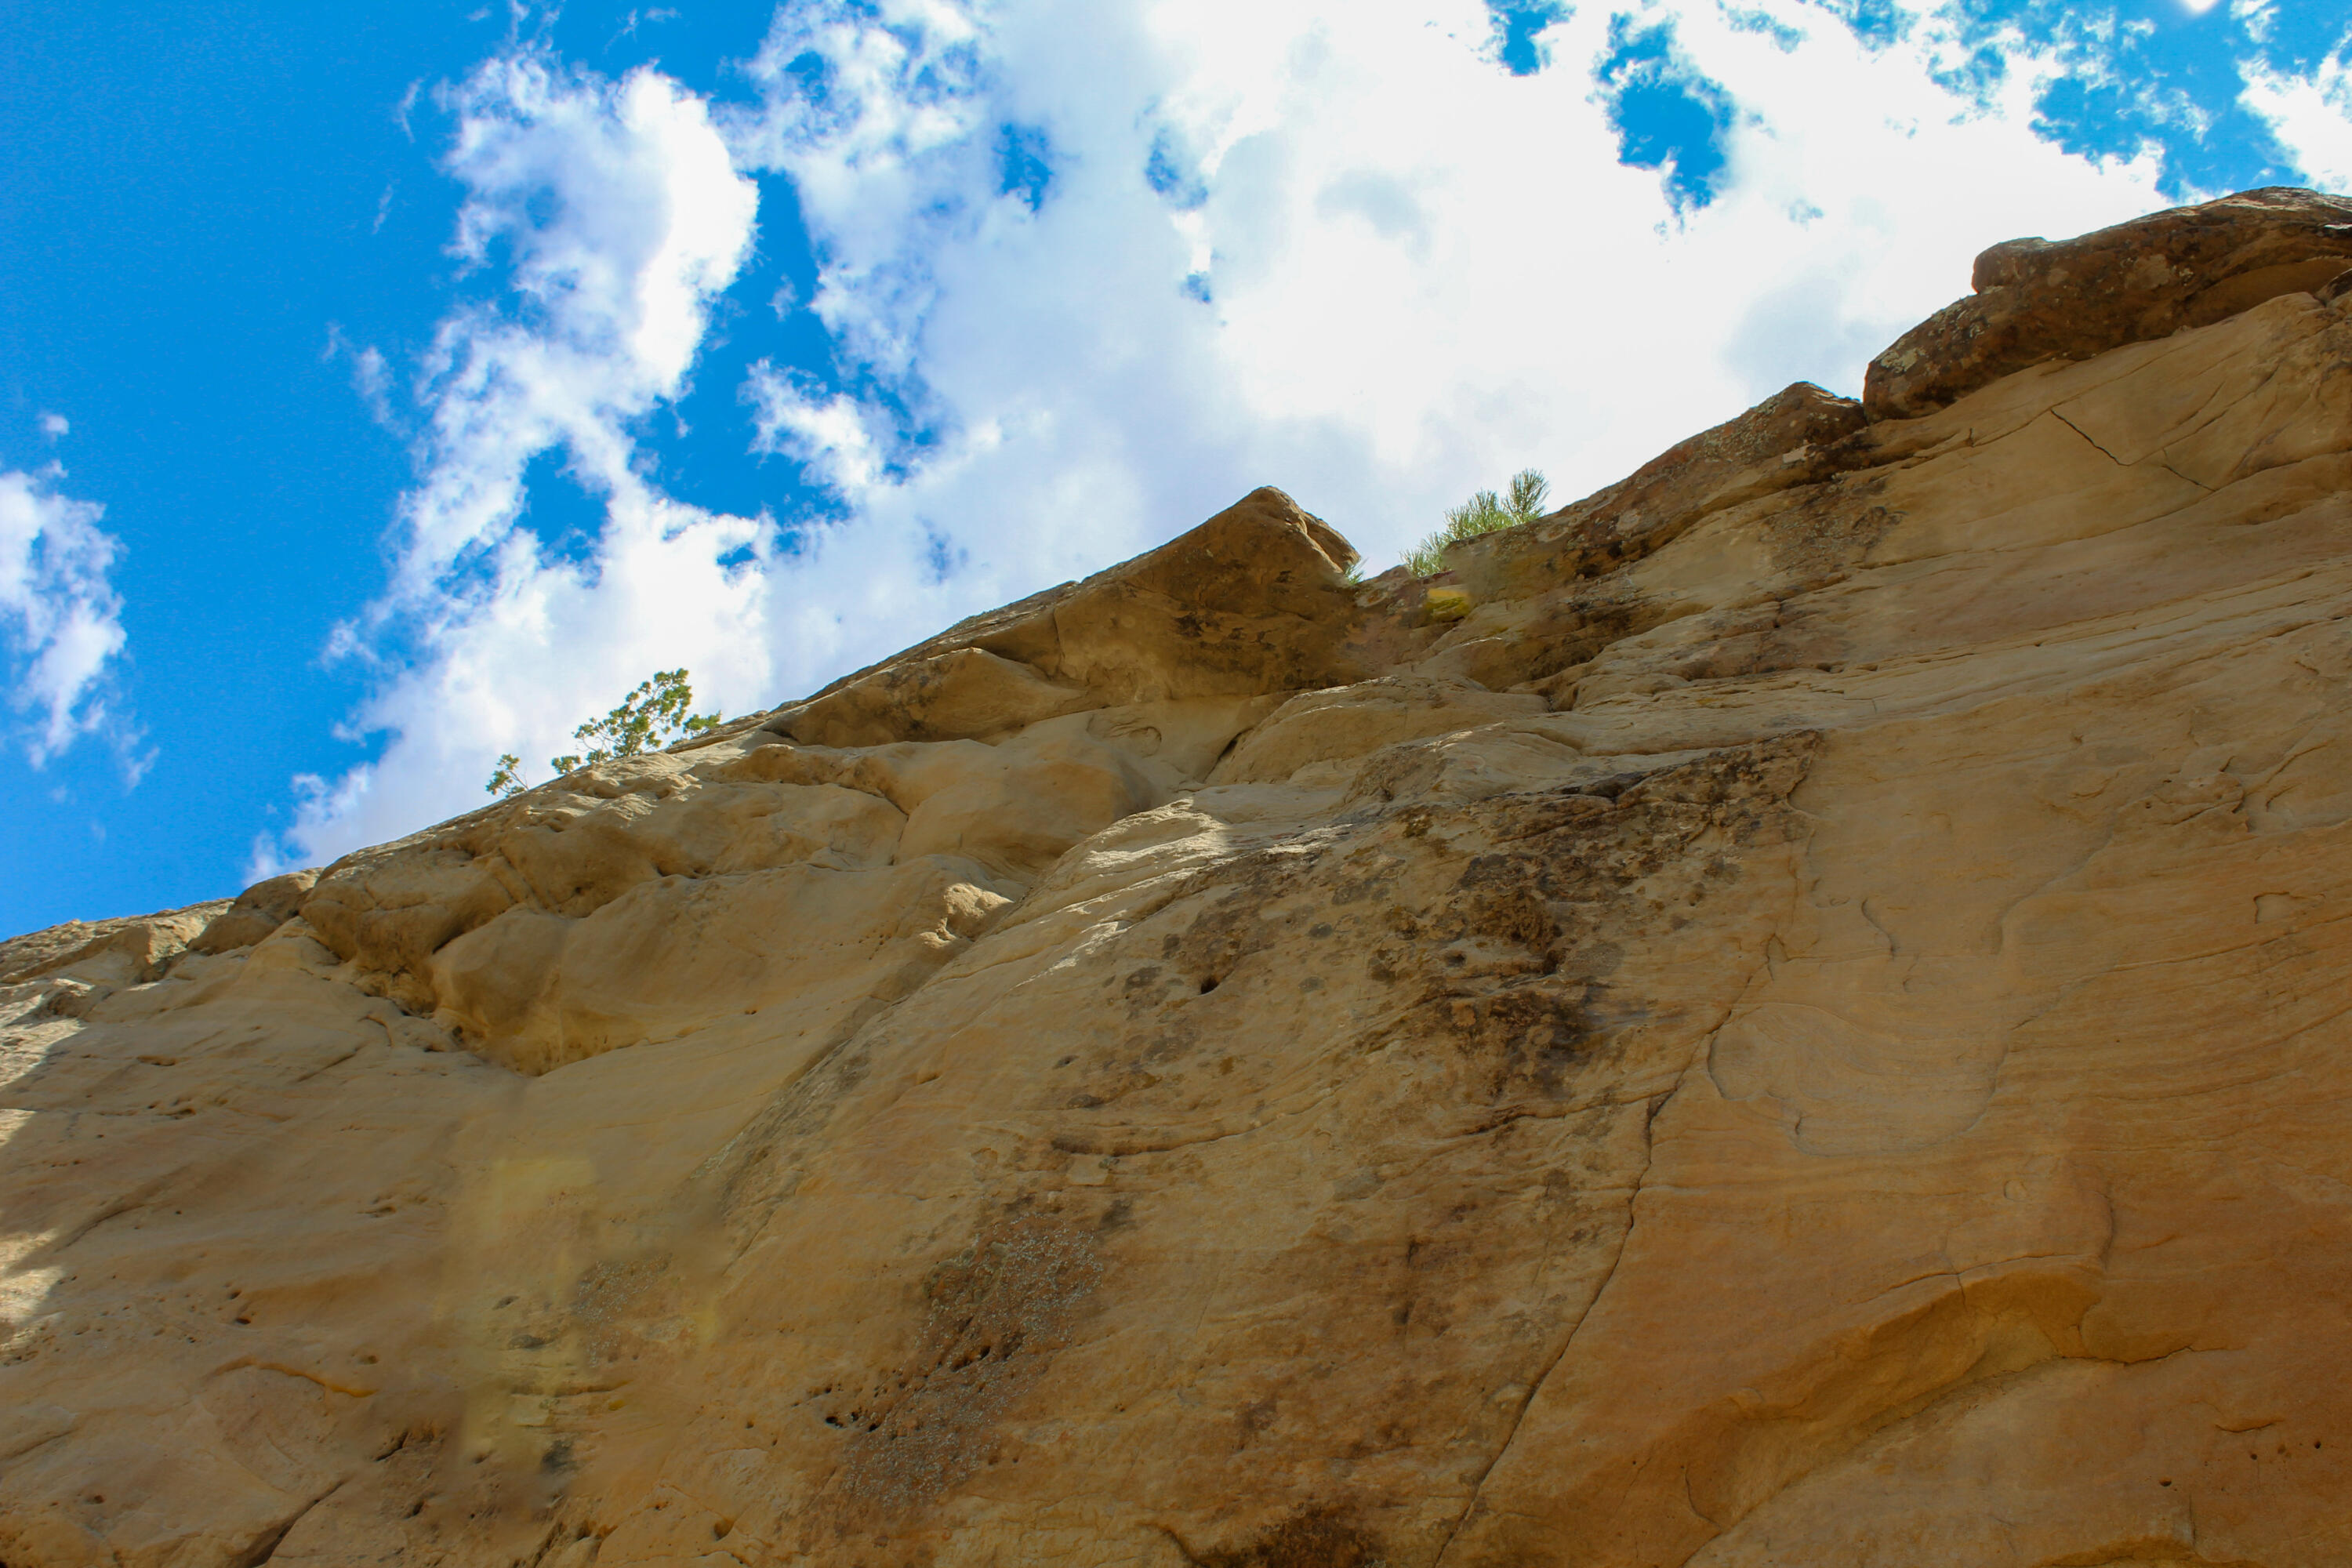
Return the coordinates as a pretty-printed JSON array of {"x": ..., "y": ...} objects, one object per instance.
[
  {"x": 2035, "y": 300},
  {"x": 1794, "y": 1012},
  {"x": 137, "y": 948}
]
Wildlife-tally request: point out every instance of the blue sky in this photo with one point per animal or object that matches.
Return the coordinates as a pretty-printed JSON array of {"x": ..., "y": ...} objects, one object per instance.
[{"x": 383, "y": 387}]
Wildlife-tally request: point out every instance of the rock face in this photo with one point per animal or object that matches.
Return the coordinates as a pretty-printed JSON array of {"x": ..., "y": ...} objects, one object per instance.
[
  {"x": 2147, "y": 279},
  {"x": 1794, "y": 1012},
  {"x": 113, "y": 952}
]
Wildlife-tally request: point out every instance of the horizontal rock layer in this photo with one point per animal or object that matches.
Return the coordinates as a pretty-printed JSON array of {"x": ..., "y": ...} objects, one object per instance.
[{"x": 1793, "y": 1013}]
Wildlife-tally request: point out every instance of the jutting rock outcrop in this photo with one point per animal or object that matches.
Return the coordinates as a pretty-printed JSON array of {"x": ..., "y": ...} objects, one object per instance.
[{"x": 1794, "y": 1012}]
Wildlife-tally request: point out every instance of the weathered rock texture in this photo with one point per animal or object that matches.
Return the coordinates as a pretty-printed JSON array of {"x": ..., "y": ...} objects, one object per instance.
[
  {"x": 2147, "y": 279},
  {"x": 1795, "y": 1012}
]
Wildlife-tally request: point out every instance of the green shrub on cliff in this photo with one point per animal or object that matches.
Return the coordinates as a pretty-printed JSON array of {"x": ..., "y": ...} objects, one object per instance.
[
  {"x": 1483, "y": 513},
  {"x": 656, "y": 713}
]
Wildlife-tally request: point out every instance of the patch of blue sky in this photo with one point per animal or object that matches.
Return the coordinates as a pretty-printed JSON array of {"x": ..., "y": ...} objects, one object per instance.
[
  {"x": 2141, "y": 74},
  {"x": 952, "y": 71},
  {"x": 686, "y": 41},
  {"x": 812, "y": 78},
  {"x": 694, "y": 448},
  {"x": 1518, "y": 28},
  {"x": 1024, "y": 163},
  {"x": 1764, "y": 22},
  {"x": 943, "y": 558},
  {"x": 1667, "y": 114},
  {"x": 1877, "y": 23},
  {"x": 197, "y": 193},
  {"x": 944, "y": 72},
  {"x": 564, "y": 516},
  {"x": 904, "y": 419},
  {"x": 1173, "y": 175}
]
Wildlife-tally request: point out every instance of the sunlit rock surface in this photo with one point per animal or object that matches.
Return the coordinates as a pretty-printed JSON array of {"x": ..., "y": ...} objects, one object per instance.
[{"x": 1794, "y": 1012}]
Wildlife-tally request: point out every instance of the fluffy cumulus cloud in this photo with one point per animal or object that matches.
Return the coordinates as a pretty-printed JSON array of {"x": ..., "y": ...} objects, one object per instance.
[
  {"x": 60, "y": 619},
  {"x": 602, "y": 218},
  {"x": 1085, "y": 273},
  {"x": 2311, "y": 115}
]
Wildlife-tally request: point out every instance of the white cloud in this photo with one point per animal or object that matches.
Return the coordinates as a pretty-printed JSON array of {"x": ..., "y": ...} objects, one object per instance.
[
  {"x": 2310, "y": 117},
  {"x": 60, "y": 618},
  {"x": 828, "y": 436},
  {"x": 54, "y": 426},
  {"x": 1420, "y": 274},
  {"x": 405, "y": 107},
  {"x": 370, "y": 375},
  {"x": 609, "y": 218}
]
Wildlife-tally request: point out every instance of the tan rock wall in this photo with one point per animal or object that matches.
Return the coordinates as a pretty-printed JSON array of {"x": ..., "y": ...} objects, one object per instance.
[{"x": 1808, "y": 1026}]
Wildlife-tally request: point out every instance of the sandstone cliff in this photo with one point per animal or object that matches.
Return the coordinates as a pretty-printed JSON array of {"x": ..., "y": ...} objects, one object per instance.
[{"x": 1793, "y": 1013}]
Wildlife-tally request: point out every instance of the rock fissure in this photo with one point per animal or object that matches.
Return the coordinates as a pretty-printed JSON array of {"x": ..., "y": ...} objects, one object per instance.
[
  {"x": 265, "y": 1550},
  {"x": 2184, "y": 478},
  {"x": 1568, "y": 1340},
  {"x": 2102, "y": 451}
]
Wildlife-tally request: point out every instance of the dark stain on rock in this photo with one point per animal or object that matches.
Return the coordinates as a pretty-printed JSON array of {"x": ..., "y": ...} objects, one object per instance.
[
  {"x": 1830, "y": 529},
  {"x": 1316, "y": 1537},
  {"x": 1531, "y": 1038},
  {"x": 1500, "y": 902},
  {"x": 994, "y": 1317},
  {"x": 1569, "y": 632}
]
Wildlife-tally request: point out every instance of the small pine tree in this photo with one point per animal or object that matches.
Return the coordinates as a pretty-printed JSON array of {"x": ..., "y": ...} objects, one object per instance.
[
  {"x": 1485, "y": 513},
  {"x": 657, "y": 712}
]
